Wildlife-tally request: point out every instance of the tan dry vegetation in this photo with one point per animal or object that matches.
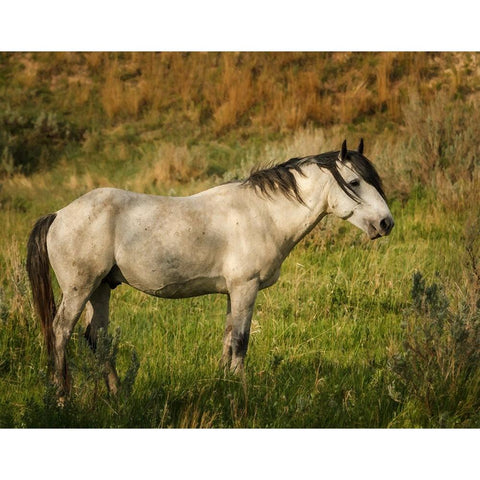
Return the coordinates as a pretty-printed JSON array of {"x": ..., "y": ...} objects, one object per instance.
[
  {"x": 170, "y": 165},
  {"x": 28, "y": 76},
  {"x": 16, "y": 276},
  {"x": 388, "y": 94},
  {"x": 281, "y": 90},
  {"x": 228, "y": 91}
]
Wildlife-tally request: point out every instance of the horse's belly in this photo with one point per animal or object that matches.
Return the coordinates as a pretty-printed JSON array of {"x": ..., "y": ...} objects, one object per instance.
[
  {"x": 172, "y": 274},
  {"x": 188, "y": 288}
]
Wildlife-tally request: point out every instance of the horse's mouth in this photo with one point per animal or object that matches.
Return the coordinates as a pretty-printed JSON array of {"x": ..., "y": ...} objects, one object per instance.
[{"x": 381, "y": 231}]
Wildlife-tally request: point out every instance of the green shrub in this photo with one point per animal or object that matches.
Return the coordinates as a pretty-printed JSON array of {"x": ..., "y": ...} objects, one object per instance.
[
  {"x": 28, "y": 141},
  {"x": 444, "y": 136},
  {"x": 438, "y": 368}
]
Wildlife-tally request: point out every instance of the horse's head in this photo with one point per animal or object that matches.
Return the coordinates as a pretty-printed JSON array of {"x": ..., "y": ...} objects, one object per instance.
[{"x": 357, "y": 194}]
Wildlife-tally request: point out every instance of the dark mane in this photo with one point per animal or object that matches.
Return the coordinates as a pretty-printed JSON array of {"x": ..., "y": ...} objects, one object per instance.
[{"x": 281, "y": 177}]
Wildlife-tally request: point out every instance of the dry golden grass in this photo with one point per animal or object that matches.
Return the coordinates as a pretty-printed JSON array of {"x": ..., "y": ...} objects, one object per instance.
[
  {"x": 94, "y": 59},
  {"x": 28, "y": 76},
  {"x": 383, "y": 75},
  {"x": 16, "y": 276},
  {"x": 296, "y": 94},
  {"x": 168, "y": 166},
  {"x": 195, "y": 417},
  {"x": 111, "y": 92},
  {"x": 235, "y": 94},
  {"x": 282, "y": 91}
]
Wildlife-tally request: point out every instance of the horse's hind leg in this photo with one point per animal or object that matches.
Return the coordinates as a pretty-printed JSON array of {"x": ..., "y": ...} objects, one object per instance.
[
  {"x": 97, "y": 313},
  {"x": 64, "y": 322},
  {"x": 97, "y": 319}
]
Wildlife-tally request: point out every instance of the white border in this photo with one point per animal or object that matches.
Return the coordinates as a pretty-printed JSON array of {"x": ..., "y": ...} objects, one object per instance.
[
  {"x": 250, "y": 25},
  {"x": 239, "y": 454}
]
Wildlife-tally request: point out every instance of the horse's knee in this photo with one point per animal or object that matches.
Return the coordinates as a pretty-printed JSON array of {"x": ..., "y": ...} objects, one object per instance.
[
  {"x": 240, "y": 343},
  {"x": 239, "y": 351}
]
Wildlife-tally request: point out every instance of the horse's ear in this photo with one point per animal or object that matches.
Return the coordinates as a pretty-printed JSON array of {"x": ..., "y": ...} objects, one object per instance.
[
  {"x": 343, "y": 152},
  {"x": 360, "y": 147}
]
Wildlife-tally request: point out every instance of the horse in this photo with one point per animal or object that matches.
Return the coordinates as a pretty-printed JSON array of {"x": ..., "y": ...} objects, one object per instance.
[{"x": 230, "y": 239}]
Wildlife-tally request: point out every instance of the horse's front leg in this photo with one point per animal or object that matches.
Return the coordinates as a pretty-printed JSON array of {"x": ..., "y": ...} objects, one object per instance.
[
  {"x": 239, "y": 317},
  {"x": 227, "y": 337}
]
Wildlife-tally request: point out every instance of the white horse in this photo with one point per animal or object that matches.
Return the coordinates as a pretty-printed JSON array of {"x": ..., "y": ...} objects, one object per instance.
[{"x": 230, "y": 239}]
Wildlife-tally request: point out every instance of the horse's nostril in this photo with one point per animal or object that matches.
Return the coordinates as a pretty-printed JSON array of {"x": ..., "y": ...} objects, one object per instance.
[{"x": 386, "y": 224}]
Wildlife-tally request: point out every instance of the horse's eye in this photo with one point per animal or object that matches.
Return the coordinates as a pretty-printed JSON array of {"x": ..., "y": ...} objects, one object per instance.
[{"x": 354, "y": 183}]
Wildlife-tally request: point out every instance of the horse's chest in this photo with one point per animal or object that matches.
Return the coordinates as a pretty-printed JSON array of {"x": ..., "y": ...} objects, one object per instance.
[{"x": 270, "y": 278}]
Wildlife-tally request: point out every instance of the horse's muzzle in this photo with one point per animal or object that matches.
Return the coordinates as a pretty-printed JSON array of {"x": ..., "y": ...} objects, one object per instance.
[{"x": 382, "y": 229}]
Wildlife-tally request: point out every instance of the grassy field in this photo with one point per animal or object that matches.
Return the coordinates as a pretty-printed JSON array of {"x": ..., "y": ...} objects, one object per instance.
[{"x": 354, "y": 334}]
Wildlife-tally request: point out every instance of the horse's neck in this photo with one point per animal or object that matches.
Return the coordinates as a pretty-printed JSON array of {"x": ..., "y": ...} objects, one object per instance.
[{"x": 293, "y": 220}]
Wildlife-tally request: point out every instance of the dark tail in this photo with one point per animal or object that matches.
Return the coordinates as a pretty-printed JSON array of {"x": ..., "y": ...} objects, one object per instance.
[{"x": 38, "y": 268}]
